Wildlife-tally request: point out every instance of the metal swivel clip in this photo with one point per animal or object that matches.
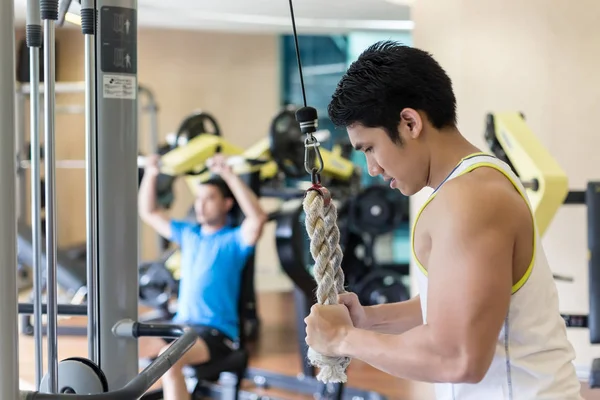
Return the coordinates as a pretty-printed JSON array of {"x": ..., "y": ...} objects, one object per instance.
[{"x": 312, "y": 144}]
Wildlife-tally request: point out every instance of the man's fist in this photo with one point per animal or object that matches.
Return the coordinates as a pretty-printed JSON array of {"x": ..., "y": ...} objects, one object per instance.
[
  {"x": 357, "y": 311},
  {"x": 218, "y": 165},
  {"x": 151, "y": 168}
]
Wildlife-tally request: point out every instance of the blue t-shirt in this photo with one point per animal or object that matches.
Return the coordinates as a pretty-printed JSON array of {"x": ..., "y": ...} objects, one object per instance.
[{"x": 211, "y": 273}]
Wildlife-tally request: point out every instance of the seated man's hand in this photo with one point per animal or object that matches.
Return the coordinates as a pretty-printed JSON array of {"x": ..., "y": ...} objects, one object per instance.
[
  {"x": 152, "y": 165},
  {"x": 218, "y": 165},
  {"x": 326, "y": 328}
]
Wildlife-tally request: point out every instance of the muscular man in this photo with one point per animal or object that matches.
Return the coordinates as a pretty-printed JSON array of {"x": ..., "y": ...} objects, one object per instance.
[
  {"x": 213, "y": 255},
  {"x": 486, "y": 323}
]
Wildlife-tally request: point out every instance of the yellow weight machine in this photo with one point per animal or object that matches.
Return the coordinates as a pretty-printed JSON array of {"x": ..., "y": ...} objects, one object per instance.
[
  {"x": 275, "y": 156},
  {"x": 510, "y": 139}
]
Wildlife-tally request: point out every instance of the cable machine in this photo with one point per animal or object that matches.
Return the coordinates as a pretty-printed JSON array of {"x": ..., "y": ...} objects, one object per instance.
[{"x": 111, "y": 116}]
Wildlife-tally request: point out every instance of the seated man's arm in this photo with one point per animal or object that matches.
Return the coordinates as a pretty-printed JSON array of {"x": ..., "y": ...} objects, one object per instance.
[
  {"x": 254, "y": 216},
  {"x": 470, "y": 281},
  {"x": 147, "y": 207}
]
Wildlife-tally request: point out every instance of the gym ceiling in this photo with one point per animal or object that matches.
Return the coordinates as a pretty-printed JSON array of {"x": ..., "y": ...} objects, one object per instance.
[{"x": 312, "y": 16}]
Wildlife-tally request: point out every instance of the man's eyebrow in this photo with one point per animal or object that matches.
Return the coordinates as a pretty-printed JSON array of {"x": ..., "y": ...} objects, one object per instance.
[{"x": 358, "y": 146}]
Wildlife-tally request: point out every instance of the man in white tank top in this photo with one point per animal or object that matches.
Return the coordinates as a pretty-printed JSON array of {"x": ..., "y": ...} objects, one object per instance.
[{"x": 486, "y": 323}]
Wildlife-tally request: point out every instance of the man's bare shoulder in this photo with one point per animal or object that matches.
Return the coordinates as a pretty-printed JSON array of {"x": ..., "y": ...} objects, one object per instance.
[{"x": 481, "y": 196}]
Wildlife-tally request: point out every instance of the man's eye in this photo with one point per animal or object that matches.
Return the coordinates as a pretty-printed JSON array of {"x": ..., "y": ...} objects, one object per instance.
[{"x": 368, "y": 149}]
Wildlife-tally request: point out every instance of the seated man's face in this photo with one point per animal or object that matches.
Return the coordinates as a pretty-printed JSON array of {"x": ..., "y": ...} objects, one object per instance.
[{"x": 211, "y": 206}]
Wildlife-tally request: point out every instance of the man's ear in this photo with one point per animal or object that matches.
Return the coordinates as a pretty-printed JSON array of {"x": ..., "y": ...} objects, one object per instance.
[
  {"x": 228, "y": 203},
  {"x": 411, "y": 123}
]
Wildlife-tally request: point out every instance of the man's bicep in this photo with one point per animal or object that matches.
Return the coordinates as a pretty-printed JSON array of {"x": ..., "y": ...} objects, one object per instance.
[
  {"x": 470, "y": 279},
  {"x": 160, "y": 223},
  {"x": 244, "y": 243},
  {"x": 250, "y": 232}
]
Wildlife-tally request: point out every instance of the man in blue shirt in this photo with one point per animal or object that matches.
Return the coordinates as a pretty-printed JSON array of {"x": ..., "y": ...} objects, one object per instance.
[{"x": 213, "y": 255}]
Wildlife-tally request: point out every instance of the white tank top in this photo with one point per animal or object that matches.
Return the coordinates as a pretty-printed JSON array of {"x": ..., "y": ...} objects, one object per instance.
[{"x": 533, "y": 359}]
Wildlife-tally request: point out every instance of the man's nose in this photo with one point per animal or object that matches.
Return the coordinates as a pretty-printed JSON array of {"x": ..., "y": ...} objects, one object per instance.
[{"x": 374, "y": 168}]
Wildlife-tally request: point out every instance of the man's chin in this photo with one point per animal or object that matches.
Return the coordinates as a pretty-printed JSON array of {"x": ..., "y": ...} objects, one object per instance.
[{"x": 402, "y": 189}]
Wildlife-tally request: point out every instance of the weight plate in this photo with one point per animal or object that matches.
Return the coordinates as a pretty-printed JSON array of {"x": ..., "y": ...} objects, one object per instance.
[
  {"x": 156, "y": 284},
  {"x": 287, "y": 143},
  {"x": 197, "y": 124},
  {"x": 377, "y": 210},
  {"x": 381, "y": 286},
  {"x": 77, "y": 376}
]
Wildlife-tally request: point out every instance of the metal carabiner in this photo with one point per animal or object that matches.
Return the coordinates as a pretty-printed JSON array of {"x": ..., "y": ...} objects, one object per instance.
[{"x": 309, "y": 142}]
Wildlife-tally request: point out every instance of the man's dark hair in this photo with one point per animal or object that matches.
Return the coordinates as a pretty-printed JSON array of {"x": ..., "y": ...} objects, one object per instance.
[
  {"x": 220, "y": 184},
  {"x": 386, "y": 78}
]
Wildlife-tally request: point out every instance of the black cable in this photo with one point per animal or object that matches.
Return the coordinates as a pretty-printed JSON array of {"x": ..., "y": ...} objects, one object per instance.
[{"x": 298, "y": 53}]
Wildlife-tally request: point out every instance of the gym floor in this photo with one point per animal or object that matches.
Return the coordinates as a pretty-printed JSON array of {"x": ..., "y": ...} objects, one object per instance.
[{"x": 275, "y": 351}]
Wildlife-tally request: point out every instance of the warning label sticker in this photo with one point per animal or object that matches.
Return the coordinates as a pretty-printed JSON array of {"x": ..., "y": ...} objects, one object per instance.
[{"x": 120, "y": 87}]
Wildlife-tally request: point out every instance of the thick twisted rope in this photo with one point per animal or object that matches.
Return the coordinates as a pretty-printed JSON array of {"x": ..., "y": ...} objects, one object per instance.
[{"x": 321, "y": 225}]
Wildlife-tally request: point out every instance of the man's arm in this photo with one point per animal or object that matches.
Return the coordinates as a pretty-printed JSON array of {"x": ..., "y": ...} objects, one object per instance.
[
  {"x": 254, "y": 216},
  {"x": 470, "y": 280},
  {"x": 394, "y": 318},
  {"x": 147, "y": 208}
]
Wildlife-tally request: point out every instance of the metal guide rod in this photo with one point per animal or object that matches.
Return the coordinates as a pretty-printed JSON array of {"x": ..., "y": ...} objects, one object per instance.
[
  {"x": 139, "y": 220},
  {"x": 49, "y": 14},
  {"x": 9, "y": 360},
  {"x": 34, "y": 41},
  {"x": 88, "y": 19},
  {"x": 20, "y": 151}
]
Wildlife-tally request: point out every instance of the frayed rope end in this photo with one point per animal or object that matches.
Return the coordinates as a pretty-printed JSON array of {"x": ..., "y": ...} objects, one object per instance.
[{"x": 331, "y": 369}]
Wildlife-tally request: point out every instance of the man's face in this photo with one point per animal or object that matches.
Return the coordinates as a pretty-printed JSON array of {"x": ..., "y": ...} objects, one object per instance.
[
  {"x": 210, "y": 206},
  {"x": 404, "y": 166}
]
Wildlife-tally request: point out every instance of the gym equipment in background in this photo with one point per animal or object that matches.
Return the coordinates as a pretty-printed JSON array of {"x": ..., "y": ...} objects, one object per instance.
[
  {"x": 273, "y": 156},
  {"x": 111, "y": 369},
  {"x": 366, "y": 217},
  {"x": 511, "y": 140},
  {"x": 188, "y": 157},
  {"x": 373, "y": 282},
  {"x": 286, "y": 148},
  {"x": 71, "y": 260}
]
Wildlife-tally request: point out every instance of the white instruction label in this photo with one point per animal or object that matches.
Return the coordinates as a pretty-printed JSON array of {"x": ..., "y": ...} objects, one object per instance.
[{"x": 120, "y": 87}]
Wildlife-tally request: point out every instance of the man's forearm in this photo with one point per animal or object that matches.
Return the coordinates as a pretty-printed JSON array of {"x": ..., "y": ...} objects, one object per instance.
[
  {"x": 244, "y": 196},
  {"x": 395, "y": 318},
  {"x": 147, "y": 196},
  {"x": 413, "y": 355}
]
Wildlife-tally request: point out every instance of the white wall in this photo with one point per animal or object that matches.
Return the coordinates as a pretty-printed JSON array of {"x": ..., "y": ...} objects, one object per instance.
[{"x": 541, "y": 58}]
